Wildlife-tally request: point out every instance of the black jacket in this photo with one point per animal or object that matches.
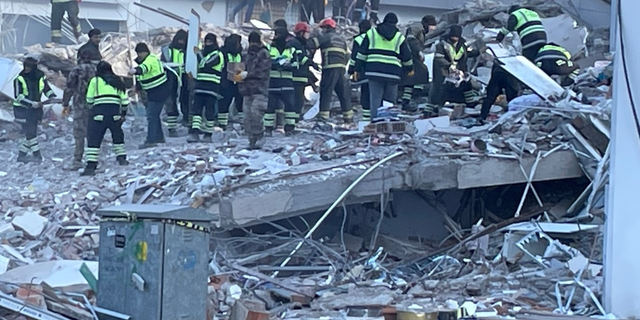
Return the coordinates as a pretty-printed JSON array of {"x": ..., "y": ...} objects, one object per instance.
[
  {"x": 302, "y": 59},
  {"x": 333, "y": 47}
]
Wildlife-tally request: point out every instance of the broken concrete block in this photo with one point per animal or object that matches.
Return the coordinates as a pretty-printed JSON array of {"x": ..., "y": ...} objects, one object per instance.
[
  {"x": 32, "y": 295},
  {"x": 5, "y": 228},
  {"x": 31, "y": 223},
  {"x": 248, "y": 310},
  {"x": 4, "y": 264}
]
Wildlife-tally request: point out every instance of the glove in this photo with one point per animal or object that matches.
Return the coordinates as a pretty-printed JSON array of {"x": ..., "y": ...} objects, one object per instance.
[
  {"x": 240, "y": 76},
  {"x": 133, "y": 71},
  {"x": 65, "y": 111},
  {"x": 411, "y": 73}
]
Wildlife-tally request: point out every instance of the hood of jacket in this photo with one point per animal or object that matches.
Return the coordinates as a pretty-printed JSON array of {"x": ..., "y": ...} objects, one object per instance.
[
  {"x": 387, "y": 30},
  {"x": 180, "y": 35}
]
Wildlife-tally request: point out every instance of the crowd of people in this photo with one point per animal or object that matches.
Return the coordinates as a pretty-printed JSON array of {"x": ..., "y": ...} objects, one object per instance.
[{"x": 266, "y": 82}]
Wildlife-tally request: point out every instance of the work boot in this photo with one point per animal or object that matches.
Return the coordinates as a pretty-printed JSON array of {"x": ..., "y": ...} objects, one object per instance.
[
  {"x": 253, "y": 143},
  {"x": 22, "y": 158},
  {"x": 193, "y": 137},
  {"x": 268, "y": 132},
  {"x": 90, "y": 170},
  {"x": 207, "y": 137},
  {"x": 37, "y": 157},
  {"x": 147, "y": 145},
  {"x": 74, "y": 166},
  {"x": 122, "y": 161},
  {"x": 173, "y": 133}
]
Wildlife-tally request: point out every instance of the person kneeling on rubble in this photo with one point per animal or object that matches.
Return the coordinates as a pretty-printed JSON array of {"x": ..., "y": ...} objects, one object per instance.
[
  {"x": 450, "y": 76},
  {"x": 107, "y": 97},
  {"x": 27, "y": 108},
  {"x": 555, "y": 61}
]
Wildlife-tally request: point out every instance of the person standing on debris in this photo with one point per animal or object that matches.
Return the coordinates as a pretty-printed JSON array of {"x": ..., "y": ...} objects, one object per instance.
[
  {"x": 77, "y": 83},
  {"x": 58, "y": 8},
  {"x": 450, "y": 61},
  {"x": 555, "y": 60},
  {"x": 311, "y": 8},
  {"x": 232, "y": 51},
  {"x": 152, "y": 78},
  {"x": 359, "y": 9},
  {"x": 409, "y": 84},
  {"x": 528, "y": 25},
  {"x": 27, "y": 108},
  {"x": 334, "y": 62},
  {"x": 207, "y": 90},
  {"x": 301, "y": 58},
  {"x": 500, "y": 81},
  {"x": 107, "y": 96},
  {"x": 364, "y": 26},
  {"x": 384, "y": 59},
  {"x": 253, "y": 84},
  {"x": 250, "y": 4},
  {"x": 280, "y": 83},
  {"x": 173, "y": 58},
  {"x": 93, "y": 45},
  {"x": 429, "y": 24}
]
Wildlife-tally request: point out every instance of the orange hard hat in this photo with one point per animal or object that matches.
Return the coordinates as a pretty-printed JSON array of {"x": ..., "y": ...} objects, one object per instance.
[
  {"x": 328, "y": 22},
  {"x": 301, "y": 27}
]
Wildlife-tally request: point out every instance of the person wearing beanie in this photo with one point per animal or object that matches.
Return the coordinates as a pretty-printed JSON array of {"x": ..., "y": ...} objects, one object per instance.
[
  {"x": 253, "y": 84},
  {"x": 302, "y": 59},
  {"x": 384, "y": 60},
  {"x": 77, "y": 83},
  {"x": 528, "y": 25},
  {"x": 93, "y": 46},
  {"x": 152, "y": 78},
  {"x": 29, "y": 87},
  {"x": 58, "y": 9},
  {"x": 415, "y": 84},
  {"x": 108, "y": 101},
  {"x": 173, "y": 57},
  {"x": 207, "y": 90},
  {"x": 450, "y": 61},
  {"x": 364, "y": 26},
  {"x": 333, "y": 47},
  {"x": 281, "y": 84},
  {"x": 232, "y": 51},
  {"x": 429, "y": 23}
]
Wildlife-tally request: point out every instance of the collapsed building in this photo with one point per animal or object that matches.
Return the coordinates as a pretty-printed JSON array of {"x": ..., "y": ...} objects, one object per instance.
[{"x": 408, "y": 218}]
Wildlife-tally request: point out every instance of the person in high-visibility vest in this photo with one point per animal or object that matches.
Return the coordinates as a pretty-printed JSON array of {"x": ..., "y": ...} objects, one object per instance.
[
  {"x": 555, "y": 60},
  {"x": 29, "y": 87},
  {"x": 207, "y": 90},
  {"x": 152, "y": 78},
  {"x": 232, "y": 51},
  {"x": 108, "y": 101},
  {"x": 528, "y": 25},
  {"x": 280, "y": 83},
  {"x": 173, "y": 57},
  {"x": 364, "y": 26},
  {"x": 301, "y": 58},
  {"x": 58, "y": 9},
  {"x": 384, "y": 60}
]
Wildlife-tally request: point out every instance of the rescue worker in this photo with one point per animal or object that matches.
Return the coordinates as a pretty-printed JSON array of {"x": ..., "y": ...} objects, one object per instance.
[
  {"x": 500, "y": 81},
  {"x": 173, "y": 58},
  {"x": 232, "y": 51},
  {"x": 451, "y": 59},
  {"x": 528, "y": 25},
  {"x": 302, "y": 60},
  {"x": 555, "y": 60},
  {"x": 364, "y": 26},
  {"x": 280, "y": 83},
  {"x": 415, "y": 40},
  {"x": 207, "y": 90},
  {"x": 384, "y": 59},
  {"x": 77, "y": 83},
  {"x": 253, "y": 84},
  {"x": 333, "y": 47},
  {"x": 58, "y": 9},
  {"x": 359, "y": 8},
  {"x": 27, "y": 107},
  {"x": 93, "y": 45},
  {"x": 429, "y": 24},
  {"x": 152, "y": 78},
  {"x": 107, "y": 97}
]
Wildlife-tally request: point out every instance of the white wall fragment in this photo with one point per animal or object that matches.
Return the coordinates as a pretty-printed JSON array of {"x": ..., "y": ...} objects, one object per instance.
[{"x": 31, "y": 223}]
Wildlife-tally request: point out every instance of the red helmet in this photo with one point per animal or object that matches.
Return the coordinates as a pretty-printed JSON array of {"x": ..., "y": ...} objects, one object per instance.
[
  {"x": 327, "y": 22},
  {"x": 301, "y": 27}
]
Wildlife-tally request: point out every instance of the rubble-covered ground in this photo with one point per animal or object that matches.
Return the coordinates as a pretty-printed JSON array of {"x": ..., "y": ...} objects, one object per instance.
[{"x": 537, "y": 261}]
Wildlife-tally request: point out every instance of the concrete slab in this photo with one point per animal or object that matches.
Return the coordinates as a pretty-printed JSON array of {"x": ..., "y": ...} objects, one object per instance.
[{"x": 302, "y": 195}]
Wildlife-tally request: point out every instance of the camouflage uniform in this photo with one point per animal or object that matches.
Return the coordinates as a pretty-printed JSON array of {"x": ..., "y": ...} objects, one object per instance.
[
  {"x": 254, "y": 108},
  {"x": 254, "y": 89},
  {"x": 77, "y": 83}
]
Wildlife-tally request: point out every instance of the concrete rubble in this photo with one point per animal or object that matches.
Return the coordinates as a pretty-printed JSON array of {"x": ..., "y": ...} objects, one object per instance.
[{"x": 544, "y": 259}]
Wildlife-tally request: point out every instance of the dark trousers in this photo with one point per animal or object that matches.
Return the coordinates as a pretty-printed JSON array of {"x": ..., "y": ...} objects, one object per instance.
[
  {"x": 531, "y": 52},
  {"x": 244, "y": 3},
  {"x": 230, "y": 93},
  {"x": 333, "y": 80},
  {"x": 364, "y": 101},
  {"x": 28, "y": 118},
  {"x": 357, "y": 11},
  {"x": 185, "y": 98},
  {"x": 380, "y": 90},
  {"x": 407, "y": 94},
  {"x": 311, "y": 8},
  {"x": 375, "y": 6},
  {"x": 276, "y": 98},
  {"x": 57, "y": 14},
  {"x": 339, "y": 10},
  {"x": 500, "y": 80},
  {"x": 298, "y": 98},
  {"x": 203, "y": 104},
  {"x": 172, "y": 102},
  {"x": 101, "y": 118},
  {"x": 154, "y": 125}
]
